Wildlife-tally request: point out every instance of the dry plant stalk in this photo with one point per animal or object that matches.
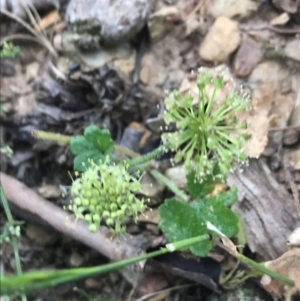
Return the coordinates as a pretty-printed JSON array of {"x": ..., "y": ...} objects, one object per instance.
[{"x": 115, "y": 249}]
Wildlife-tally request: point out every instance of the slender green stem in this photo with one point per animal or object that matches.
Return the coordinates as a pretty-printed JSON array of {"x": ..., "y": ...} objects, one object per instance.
[
  {"x": 6, "y": 206},
  {"x": 38, "y": 280},
  {"x": 14, "y": 239},
  {"x": 178, "y": 245},
  {"x": 161, "y": 178},
  {"x": 210, "y": 102},
  {"x": 255, "y": 265},
  {"x": 265, "y": 270},
  {"x": 83, "y": 293}
]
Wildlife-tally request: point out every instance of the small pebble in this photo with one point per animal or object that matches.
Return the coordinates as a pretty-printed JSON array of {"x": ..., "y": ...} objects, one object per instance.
[{"x": 290, "y": 137}]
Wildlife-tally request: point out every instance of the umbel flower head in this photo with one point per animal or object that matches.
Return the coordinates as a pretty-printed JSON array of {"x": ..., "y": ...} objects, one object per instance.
[
  {"x": 208, "y": 132},
  {"x": 106, "y": 191}
]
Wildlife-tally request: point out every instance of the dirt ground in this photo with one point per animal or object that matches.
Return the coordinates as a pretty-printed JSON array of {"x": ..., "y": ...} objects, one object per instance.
[{"x": 259, "y": 42}]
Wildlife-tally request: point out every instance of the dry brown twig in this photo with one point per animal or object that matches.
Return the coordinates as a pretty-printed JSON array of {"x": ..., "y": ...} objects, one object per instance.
[
  {"x": 270, "y": 27},
  {"x": 286, "y": 128},
  {"x": 27, "y": 200},
  {"x": 38, "y": 35}
]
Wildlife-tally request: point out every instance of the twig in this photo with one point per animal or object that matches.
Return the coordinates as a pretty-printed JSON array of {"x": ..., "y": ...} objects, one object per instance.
[
  {"x": 45, "y": 42},
  {"x": 292, "y": 127},
  {"x": 194, "y": 11},
  {"x": 272, "y": 28},
  {"x": 20, "y": 37},
  {"x": 28, "y": 201},
  {"x": 178, "y": 287}
]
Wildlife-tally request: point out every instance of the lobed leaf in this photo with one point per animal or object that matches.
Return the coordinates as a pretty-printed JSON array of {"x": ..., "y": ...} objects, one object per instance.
[
  {"x": 94, "y": 145},
  {"x": 180, "y": 220}
]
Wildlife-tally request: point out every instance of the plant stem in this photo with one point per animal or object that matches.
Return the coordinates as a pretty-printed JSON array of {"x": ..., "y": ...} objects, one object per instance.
[
  {"x": 57, "y": 138},
  {"x": 255, "y": 265},
  {"x": 39, "y": 280},
  {"x": 147, "y": 157},
  {"x": 14, "y": 239},
  {"x": 263, "y": 269},
  {"x": 65, "y": 139},
  {"x": 161, "y": 178}
]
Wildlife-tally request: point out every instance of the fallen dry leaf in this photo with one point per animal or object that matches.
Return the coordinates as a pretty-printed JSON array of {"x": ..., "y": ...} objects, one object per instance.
[
  {"x": 282, "y": 19},
  {"x": 272, "y": 104},
  {"x": 287, "y": 265},
  {"x": 49, "y": 20},
  {"x": 294, "y": 239}
]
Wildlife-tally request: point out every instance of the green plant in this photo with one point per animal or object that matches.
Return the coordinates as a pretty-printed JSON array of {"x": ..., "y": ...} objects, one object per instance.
[
  {"x": 204, "y": 208},
  {"x": 5, "y": 149},
  {"x": 208, "y": 132},
  {"x": 11, "y": 232},
  {"x": 106, "y": 191},
  {"x": 208, "y": 136},
  {"x": 94, "y": 145},
  {"x": 32, "y": 281},
  {"x": 9, "y": 50}
]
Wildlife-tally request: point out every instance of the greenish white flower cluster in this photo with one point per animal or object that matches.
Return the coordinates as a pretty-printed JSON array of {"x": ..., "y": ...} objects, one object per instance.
[
  {"x": 10, "y": 230},
  {"x": 106, "y": 192},
  {"x": 208, "y": 132}
]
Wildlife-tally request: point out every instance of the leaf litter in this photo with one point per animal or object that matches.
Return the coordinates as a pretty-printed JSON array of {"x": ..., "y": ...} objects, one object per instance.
[{"x": 165, "y": 66}]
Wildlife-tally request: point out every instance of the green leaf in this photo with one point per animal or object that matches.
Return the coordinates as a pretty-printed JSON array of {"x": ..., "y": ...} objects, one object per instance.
[
  {"x": 221, "y": 217},
  {"x": 180, "y": 220},
  {"x": 100, "y": 139},
  {"x": 79, "y": 145},
  {"x": 94, "y": 145},
  {"x": 199, "y": 189},
  {"x": 226, "y": 198}
]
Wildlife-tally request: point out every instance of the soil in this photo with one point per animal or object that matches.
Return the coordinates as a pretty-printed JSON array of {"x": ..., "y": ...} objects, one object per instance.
[{"x": 257, "y": 40}]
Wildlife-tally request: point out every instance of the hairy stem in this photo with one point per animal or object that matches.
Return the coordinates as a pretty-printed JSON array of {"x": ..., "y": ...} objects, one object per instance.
[{"x": 65, "y": 139}]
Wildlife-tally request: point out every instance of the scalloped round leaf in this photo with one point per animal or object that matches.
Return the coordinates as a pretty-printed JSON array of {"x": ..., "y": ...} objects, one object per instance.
[
  {"x": 221, "y": 217},
  {"x": 79, "y": 145},
  {"x": 101, "y": 139},
  {"x": 180, "y": 221}
]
